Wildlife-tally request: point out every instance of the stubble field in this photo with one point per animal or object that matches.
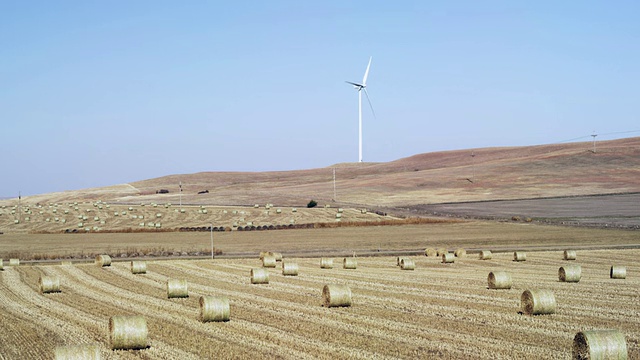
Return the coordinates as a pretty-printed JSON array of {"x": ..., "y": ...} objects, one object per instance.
[{"x": 435, "y": 311}]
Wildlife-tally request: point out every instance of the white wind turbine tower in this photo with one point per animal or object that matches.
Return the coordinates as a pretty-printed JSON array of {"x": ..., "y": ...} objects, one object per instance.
[{"x": 360, "y": 87}]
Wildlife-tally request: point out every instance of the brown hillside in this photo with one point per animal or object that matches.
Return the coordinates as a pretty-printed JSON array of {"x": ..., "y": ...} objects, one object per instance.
[{"x": 451, "y": 176}]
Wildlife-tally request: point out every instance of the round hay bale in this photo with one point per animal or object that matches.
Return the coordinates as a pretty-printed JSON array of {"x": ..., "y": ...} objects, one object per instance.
[
  {"x": 76, "y": 352},
  {"x": 350, "y": 263},
  {"x": 49, "y": 284},
  {"x": 429, "y": 252},
  {"x": 569, "y": 254},
  {"x": 177, "y": 288},
  {"x": 600, "y": 344},
  {"x": 616, "y": 272},
  {"x": 269, "y": 261},
  {"x": 14, "y": 262},
  {"x": 485, "y": 255},
  {"x": 214, "y": 308},
  {"x": 259, "y": 276},
  {"x": 336, "y": 295},
  {"x": 441, "y": 251},
  {"x": 263, "y": 254},
  {"x": 499, "y": 280},
  {"x": 448, "y": 258},
  {"x": 538, "y": 302},
  {"x": 407, "y": 264},
  {"x": 128, "y": 332},
  {"x": 277, "y": 255},
  {"x": 66, "y": 263},
  {"x": 398, "y": 260},
  {"x": 289, "y": 268},
  {"x": 326, "y": 263},
  {"x": 570, "y": 273},
  {"x": 1, "y": 265},
  {"x": 460, "y": 253},
  {"x": 519, "y": 256},
  {"x": 138, "y": 267},
  {"x": 103, "y": 260}
]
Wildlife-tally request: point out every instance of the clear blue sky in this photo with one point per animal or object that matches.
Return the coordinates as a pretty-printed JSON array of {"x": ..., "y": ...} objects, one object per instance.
[{"x": 103, "y": 93}]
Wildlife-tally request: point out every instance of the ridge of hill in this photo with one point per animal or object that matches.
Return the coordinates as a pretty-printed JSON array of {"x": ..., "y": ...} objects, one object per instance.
[{"x": 570, "y": 169}]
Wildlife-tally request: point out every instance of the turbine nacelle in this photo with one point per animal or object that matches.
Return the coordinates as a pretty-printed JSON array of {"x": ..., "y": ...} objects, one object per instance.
[{"x": 356, "y": 85}]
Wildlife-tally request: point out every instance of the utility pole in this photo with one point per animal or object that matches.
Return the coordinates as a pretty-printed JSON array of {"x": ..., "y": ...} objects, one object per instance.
[
  {"x": 211, "y": 241},
  {"x": 473, "y": 167},
  {"x": 19, "y": 207},
  {"x": 334, "y": 185},
  {"x": 181, "y": 194},
  {"x": 594, "y": 141}
]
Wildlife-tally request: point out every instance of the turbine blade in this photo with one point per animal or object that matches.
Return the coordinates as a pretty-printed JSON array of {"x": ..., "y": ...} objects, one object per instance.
[
  {"x": 366, "y": 73},
  {"x": 369, "y": 101},
  {"x": 354, "y": 84}
]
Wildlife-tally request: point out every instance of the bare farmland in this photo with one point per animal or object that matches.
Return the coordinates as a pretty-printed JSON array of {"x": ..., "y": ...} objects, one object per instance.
[{"x": 437, "y": 310}]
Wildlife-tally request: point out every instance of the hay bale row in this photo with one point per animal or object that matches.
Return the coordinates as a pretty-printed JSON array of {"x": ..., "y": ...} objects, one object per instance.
[
  {"x": 214, "y": 308},
  {"x": 103, "y": 260},
  {"x": 177, "y": 288},
  {"x": 49, "y": 284},
  {"x": 499, "y": 280},
  {"x": 485, "y": 255},
  {"x": 289, "y": 268},
  {"x": 519, "y": 256},
  {"x": 259, "y": 276},
  {"x": 569, "y": 255},
  {"x": 138, "y": 267},
  {"x": 600, "y": 344},
  {"x": 350, "y": 263},
  {"x": 128, "y": 332},
  {"x": 460, "y": 253},
  {"x": 326, "y": 263},
  {"x": 616, "y": 272},
  {"x": 570, "y": 273},
  {"x": 76, "y": 352},
  {"x": 538, "y": 302},
  {"x": 336, "y": 295},
  {"x": 448, "y": 258},
  {"x": 407, "y": 264}
]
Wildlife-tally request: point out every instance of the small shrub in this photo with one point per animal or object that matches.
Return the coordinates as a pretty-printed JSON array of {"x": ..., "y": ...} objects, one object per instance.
[{"x": 312, "y": 204}]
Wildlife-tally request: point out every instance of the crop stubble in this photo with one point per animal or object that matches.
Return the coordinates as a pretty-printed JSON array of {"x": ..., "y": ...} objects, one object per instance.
[{"x": 437, "y": 310}]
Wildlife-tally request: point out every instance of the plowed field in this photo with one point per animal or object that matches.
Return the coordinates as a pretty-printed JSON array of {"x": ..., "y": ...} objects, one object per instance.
[{"x": 435, "y": 311}]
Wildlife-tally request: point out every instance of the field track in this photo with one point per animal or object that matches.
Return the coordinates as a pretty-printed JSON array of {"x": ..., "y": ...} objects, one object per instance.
[{"x": 435, "y": 311}]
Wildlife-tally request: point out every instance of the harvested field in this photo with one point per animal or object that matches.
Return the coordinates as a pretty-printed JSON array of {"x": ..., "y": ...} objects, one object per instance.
[{"x": 435, "y": 311}]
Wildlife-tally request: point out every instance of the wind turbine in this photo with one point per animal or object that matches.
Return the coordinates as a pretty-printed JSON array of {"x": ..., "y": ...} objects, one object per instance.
[{"x": 360, "y": 87}]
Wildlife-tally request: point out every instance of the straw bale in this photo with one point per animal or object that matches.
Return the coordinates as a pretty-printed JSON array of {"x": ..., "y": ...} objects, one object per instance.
[
  {"x": 214, "y": 308},
  {"x": 49, "y": 284},
  {"x": 430, "y": 252},
  {"x": 259, "y": 276},
  {"x": 460, "y": 253},
  {"x": 569, "y": 254},
  {"x": 616, "y": 272},
  {"x": 326, "y": 263},
  {"x": 448, "y": 258},
  {"x": 14, "y": 262},
  {"x": 289, "y": 268},
  {"x": 485, "y": 255},
  {"x": 138, "y": 267},
  {"x": 103, "y": 260},
  {"x": 336, "y": 295},
  {"x": 441, "y": 251},
  {"x": 570, "y": 273},
  {"x": 538, "y": 302},
  {"x": 128, "y": 332},
  {"x": 269, "y": 261},
  {"x": 499, "y": 280},
  {"x": 350, "y": 263},
  {"x": 1, "y": 265},
  {"x": 177, "y": 288},
  {"x": 78, "y": 352},
  {"x": 519, "y": 256},
  {"x": 407, "y": 264},
  {"x": 600, "y": 344},
  {"x": 66, "y": 263}
]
